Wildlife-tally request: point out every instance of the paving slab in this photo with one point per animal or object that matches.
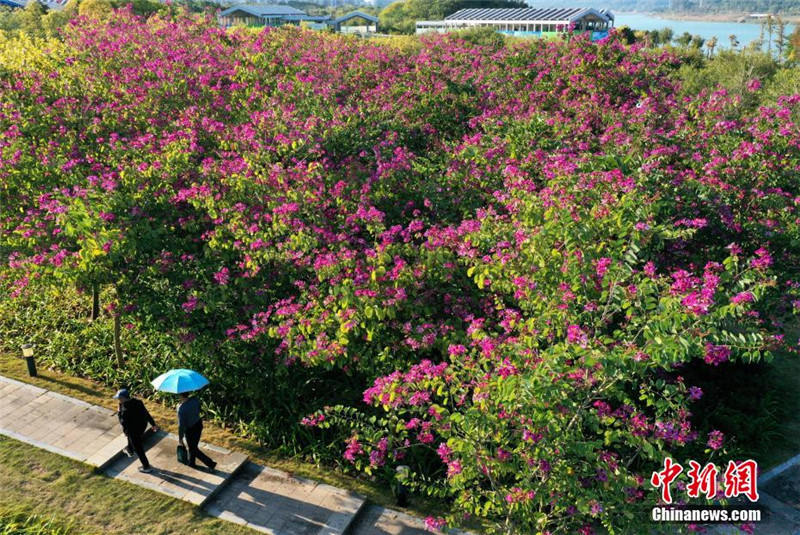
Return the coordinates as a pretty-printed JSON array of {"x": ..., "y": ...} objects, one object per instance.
[
  {"x": 57, "y": 423},
  {"x": 377, "y": 520},
  {"x": 194, "y": 485},
  {"x": 271, "y": 501}
]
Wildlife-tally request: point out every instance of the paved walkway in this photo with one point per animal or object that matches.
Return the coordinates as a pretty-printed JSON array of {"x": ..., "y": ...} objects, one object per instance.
[
  {"x": 267, "y": 500},
  {"x": 196, "y": 486},
  {"x": 58, "y": 423}
]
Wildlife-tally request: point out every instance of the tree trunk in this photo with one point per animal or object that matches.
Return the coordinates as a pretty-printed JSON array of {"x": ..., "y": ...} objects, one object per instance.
[
  {"x": 95, "y": 302},
  {"x": 117, "y": 344}
]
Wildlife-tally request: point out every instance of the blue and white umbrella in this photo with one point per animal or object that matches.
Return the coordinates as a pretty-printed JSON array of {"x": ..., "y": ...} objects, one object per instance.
[{"x": 179, "y": 381}]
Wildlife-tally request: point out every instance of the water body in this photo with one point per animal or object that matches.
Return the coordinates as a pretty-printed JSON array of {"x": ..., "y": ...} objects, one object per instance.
[{"x": 745, "y": 32}]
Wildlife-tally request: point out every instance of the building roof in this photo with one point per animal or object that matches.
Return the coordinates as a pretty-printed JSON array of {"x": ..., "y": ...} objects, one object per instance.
[
  {"x": 564, "y": 14},
  {"x": 265, "y": 10},
  {"x": 353, "y": 15}
]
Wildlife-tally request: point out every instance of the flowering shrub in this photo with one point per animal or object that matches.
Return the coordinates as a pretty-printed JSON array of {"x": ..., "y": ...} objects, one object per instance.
[{"x": 512, "y": 252}]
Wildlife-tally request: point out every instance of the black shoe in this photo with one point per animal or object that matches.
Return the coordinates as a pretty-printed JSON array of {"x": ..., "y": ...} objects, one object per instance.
[{"x": 212, "y": 466}]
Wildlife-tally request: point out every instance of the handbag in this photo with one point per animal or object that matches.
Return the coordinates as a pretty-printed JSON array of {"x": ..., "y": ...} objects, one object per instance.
[{"x": 183, "y": 457}]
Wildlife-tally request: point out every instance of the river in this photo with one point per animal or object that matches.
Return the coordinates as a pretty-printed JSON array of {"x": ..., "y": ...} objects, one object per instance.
[{"x": 745, "y": 32}]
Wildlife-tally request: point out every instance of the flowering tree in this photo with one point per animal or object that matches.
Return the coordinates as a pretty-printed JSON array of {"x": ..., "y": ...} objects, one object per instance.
[{"x": 513, "y": 253}]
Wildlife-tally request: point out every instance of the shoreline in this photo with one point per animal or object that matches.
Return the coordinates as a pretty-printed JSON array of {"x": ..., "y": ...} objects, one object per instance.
[{"x": 741, "y": 18}]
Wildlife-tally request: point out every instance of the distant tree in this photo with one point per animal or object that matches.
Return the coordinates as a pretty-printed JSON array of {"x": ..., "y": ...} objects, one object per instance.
[
  {"x": 148, "y": 7},
  {"x": 684, "y": 39},
  {"x": 627, "y": 34},
  {"x": 95, "y": 9},
  {"x": 780, "y": 39},
  {"x": 734, "y": 41},
  {"x": 711, "y": 44},
  {"x": 697, "y": 42},
  {"x": 793, "y": 45},
  {"x": 29, "y": 20},
  {"x": 54, "y": 20},
  {"x": 770, "y": 23},
  {"x": 665, "y": 35}
]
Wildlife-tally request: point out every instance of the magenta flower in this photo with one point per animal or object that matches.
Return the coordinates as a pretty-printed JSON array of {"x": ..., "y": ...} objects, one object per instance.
[
  {"x": 715, "y": 439},
  {"x": 435, "y": 523},
  {"x": 353, "y": 448},
  {"x": 715, "y": 354},
  {"x": 190, "y": 304}
]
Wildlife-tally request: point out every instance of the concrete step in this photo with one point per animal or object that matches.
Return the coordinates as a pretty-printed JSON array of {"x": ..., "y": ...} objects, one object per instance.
[
  {"x": 194, "y": 485},
  {"x": 274, "y": 502}
]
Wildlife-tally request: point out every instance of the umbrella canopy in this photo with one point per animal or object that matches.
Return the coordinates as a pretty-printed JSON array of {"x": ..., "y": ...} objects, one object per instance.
[{"x": 179, "y": 381}]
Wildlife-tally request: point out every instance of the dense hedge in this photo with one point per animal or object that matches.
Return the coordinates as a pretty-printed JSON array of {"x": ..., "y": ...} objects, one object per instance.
[{"x": 497, "y": 265}]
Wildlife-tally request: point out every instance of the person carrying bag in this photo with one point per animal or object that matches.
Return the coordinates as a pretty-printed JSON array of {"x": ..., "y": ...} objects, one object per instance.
[{"x": 190, "y": 427}]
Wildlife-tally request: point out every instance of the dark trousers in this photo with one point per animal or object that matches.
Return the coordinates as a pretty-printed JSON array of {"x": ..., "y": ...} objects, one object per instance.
[
  {"x": 135, "y": 444},
  {"x": 192, "y": 439}
]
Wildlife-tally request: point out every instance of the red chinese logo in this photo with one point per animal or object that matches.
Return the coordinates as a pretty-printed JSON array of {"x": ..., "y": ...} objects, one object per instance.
[
  {"x": 665, "y": 478},
  {"x": 740, "y": 479},
  {"x": 702, "y": 481}
]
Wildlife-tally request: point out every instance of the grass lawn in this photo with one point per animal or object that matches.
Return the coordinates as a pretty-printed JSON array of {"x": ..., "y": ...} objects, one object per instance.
[{"x": 74, "y": 495}]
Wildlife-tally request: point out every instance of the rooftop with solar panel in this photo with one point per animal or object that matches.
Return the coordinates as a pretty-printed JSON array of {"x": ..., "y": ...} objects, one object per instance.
[{"x": 525, "y": 22}]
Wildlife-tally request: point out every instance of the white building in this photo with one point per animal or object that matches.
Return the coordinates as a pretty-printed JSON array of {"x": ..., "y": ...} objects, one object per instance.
[{"x": 525, "y": 21}]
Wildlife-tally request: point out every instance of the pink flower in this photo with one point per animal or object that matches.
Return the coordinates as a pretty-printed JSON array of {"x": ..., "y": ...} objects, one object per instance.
[
  {"x": 716, "y": 354},
  {"x": 353, "y": 448},
  {"x": 742, "y": 297},
  {"x": 190, "y": 304},
  {"x": 453, "y": 468},
  {"x": 715, "y": 439},
  {"x": 222, "y": 276},
  {"x": 601, "y": 266},
  {"x": 575, "y": 335},
  {"x": 763, "y": 259},
  {"x": 434, "y": 524}
]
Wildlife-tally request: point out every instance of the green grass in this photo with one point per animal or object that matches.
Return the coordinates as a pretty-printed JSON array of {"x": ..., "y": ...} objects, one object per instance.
[
  {"x": 68, "y": 497},
  {"x": 21, "y": 522}
]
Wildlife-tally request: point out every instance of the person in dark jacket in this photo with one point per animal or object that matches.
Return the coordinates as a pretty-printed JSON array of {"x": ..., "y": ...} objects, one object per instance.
[
  {"x": 190, "y": 426},
  {"x": 134, "y": 417}
]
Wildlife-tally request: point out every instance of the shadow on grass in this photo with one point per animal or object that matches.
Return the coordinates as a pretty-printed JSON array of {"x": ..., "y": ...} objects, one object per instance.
[{"x": 74, "y": 386}]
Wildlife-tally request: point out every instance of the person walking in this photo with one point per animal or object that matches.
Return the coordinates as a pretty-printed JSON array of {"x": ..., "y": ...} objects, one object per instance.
[
  {"x": 134, "y": 417},
  {"x": 190, "y": 426}
]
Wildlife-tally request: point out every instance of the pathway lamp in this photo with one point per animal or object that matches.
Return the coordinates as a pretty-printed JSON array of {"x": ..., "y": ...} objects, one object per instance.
[
  {"x": 27, "y": 354},
  {"x": 402, "y": 486}
]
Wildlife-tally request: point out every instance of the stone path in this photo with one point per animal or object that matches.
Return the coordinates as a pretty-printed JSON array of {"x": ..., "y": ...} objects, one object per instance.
[
  {"x": 58, "y": 423},
  {"x": 377, "y": 520},
  {"x": 266, "y": 500},
  {"x": 271, "y": 501},
  {"x": 193, "y": 485}
]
